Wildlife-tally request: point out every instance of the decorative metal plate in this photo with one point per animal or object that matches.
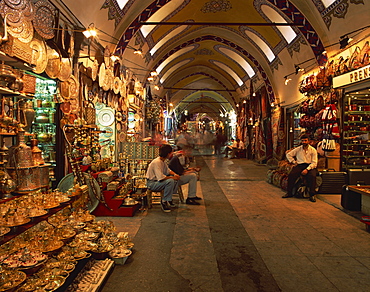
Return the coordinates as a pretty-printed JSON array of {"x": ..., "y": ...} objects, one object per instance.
[
  {"x": 39, "y": 57},
  {"x": 23, "y": 32},
  {"x": 53, "y": 66},
  {"x": 65, "y": 69},
  {"x": 15, "y": 17},
  {"x": 68, "y": 181},
  {"x": 16, "y": 4},
  {"x": 44, "y": 21},
  {"x": 73, "y": 87},
  {"x": 106, "y": 117}
]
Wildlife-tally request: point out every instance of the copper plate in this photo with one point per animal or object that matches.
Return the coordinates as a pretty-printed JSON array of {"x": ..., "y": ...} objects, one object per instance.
[
  {"x": 15, "y": 17},
  {"x": 24, "y": 32},
  {"x": 64, "y": 89},
  {"x": 54, "y": 63},
  {"x": 16, "y": 4},
  {"x": 39, "y": 57},
  {"x": 44, "y": 21},
  {"x": 73, "y": 87},
  {"x": 65, "y": 69}
]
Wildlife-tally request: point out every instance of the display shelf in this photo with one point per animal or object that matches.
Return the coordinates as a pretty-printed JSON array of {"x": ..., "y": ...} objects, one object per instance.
[
  {"x": 357, "y": 112},
  {"x": 353, "y": 122},
  {"x": 8, "y": 92},
  {"x": 22, "y": 228}
]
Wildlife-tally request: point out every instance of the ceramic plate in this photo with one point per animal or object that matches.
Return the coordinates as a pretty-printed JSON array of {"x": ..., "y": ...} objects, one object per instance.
[
  {"x": 106, "y": 117},
  {"x": 109, "y": 131}
]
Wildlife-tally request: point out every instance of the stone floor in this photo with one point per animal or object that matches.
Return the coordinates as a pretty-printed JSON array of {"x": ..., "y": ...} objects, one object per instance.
[{"x": 244, "y": 237}]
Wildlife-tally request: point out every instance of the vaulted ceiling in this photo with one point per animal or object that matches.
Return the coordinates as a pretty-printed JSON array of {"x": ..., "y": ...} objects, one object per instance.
[{"x": 212, "y": 54}]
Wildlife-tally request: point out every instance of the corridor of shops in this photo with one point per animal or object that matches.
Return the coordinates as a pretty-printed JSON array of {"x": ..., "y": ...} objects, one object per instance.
[{"x": 244, "y": 237}]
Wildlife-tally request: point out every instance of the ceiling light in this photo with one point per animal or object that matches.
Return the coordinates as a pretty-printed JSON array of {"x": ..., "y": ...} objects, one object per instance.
[
  {"x": 344, "y": 41},
  {"x": 153, "y": 73},
  {"x": 90, "y": 31},
  {"x": 156, "y": 87},
  {"x": 297, "y": 69},
  {"x": 138, "y": 52},
  {"x": 287, "y": 80},
  {"x": 254, "y": 94}
]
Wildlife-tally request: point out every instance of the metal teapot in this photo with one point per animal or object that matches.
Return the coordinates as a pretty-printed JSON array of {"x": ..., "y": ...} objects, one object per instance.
[{"x": 44, "y": 137}]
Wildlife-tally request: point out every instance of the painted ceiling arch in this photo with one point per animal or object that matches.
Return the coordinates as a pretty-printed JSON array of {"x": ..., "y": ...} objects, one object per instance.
[{"x": 315, "y": 17}]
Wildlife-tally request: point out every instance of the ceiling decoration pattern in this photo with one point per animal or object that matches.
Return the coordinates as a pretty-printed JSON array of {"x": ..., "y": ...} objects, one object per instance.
[
  {"x": 232, "y": 45},
  {"x": 306, "y": 28},
  {"x": 135, "y": 25},
  {"x": 295, "y": 46},
  {"x": 151, "y": 42},
  {"x": 204, "y": 52},
  {"x": 338, "y": 9},
  {"x": 216, "y": 6},
  {"x": 114, "y": 11},
  {"x": 213, "y": 78}
]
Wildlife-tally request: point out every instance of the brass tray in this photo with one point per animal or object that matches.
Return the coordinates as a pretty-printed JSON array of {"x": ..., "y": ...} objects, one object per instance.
[
  {"x": 4, "y": 230},
  {"x": 18, "y": 223},
  {"x": 54, "y": 63},
  {"x": 73, "y": 87},
  {"x": 17, "y": 278},
  {"x": 38, "y": 215},
  {"x": 39, "y": 57},
  {"x": 44, "y": 20},
  {"x": 57, "y": 244},
  {"x": 95, "y": 68},
  {"x": 65, "y": 69}
]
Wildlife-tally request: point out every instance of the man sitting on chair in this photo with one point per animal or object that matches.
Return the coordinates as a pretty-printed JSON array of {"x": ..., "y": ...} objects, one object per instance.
[
  {"x": 304, "y": 158},
  {"x": 160, "y": 177},
  {"x": 188, "y": 175}
]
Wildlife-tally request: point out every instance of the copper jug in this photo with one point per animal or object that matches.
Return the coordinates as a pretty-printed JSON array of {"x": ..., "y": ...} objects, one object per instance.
[{"x": 20, "y": 155}]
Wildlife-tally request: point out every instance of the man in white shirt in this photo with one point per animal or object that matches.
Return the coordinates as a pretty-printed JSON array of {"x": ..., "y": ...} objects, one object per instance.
[
  {"x": 304, "y": 158},
  {"x": 238, "y": 146},
  {"x": 160, "y": 177}
]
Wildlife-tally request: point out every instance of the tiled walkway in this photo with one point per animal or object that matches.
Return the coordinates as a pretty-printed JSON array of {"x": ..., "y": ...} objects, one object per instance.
[{"x": 244, "y": 237}]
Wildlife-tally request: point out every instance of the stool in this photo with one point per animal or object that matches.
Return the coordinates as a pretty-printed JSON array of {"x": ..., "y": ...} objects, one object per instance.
[
  {"x": 156, "y": 199},
  {"x": 181, "y": 194}
]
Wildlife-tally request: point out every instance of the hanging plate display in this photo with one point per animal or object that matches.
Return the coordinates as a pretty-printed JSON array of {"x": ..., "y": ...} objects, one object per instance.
[
  {"x": 23, "y": 32},
  {"x": 109, "y": 132},
  {"x": 39, "y": 57},
  {"x": 16, "y": 4},
  {"x": 116, "y": 85},
  {"x": 53, "y": 66},
  {"x": 94, "y": 70},
  {"x": 15, "y": 17},
  {"x": 73, "y": 87},
  {"x": 122, "y": 137},
  {"x": 106, "y": 117},
  {"x": 101, "y": 74},
  {"x": 65, "y": 69},
  {"x": 44, "y": 21},
  {"x": 118, "y": 127}
]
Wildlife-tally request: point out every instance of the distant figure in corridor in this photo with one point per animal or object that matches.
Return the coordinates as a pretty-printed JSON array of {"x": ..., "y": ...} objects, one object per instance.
[
  {"x": 160, "y": 177},
  {"x": 304, "y": 158}
]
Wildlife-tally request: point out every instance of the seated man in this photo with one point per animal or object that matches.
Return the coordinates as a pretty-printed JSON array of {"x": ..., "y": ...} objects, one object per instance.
[
  {"x": 188, "y": 175},
  {"x": 238, "y": 147},
  {"x": 160, "y": 177},
  {"x": 229, "y": 147},
  {"x": 304, "y": 158}
]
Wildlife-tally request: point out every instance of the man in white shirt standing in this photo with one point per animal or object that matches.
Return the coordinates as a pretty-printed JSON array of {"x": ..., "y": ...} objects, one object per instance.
[
  {"x": 304, "y": 158},
  {"x": 160, "y": 177}
]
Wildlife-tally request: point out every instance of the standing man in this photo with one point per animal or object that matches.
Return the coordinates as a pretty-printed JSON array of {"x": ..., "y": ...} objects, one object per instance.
[
  {"x": 160, "y": 177},
  {"x": 186, "y": 176},
  {"x": 304, "y": 158}
]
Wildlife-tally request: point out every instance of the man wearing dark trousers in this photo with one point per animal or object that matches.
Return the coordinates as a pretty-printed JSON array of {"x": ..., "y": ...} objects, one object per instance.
[{"x": 304, "y": 158}]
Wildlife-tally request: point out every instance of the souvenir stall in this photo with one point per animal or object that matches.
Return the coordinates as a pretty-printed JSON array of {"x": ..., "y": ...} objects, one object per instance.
[{"x": 52, "y": 135}]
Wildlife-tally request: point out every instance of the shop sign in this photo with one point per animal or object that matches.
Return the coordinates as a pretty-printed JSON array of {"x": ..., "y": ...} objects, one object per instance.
[{"x": 352, "y": 77}]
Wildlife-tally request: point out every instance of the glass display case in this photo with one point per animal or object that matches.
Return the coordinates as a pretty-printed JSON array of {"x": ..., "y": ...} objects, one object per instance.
[
  {"x": 44, "y": 124},
  {"x": 356, "y": 129}
]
